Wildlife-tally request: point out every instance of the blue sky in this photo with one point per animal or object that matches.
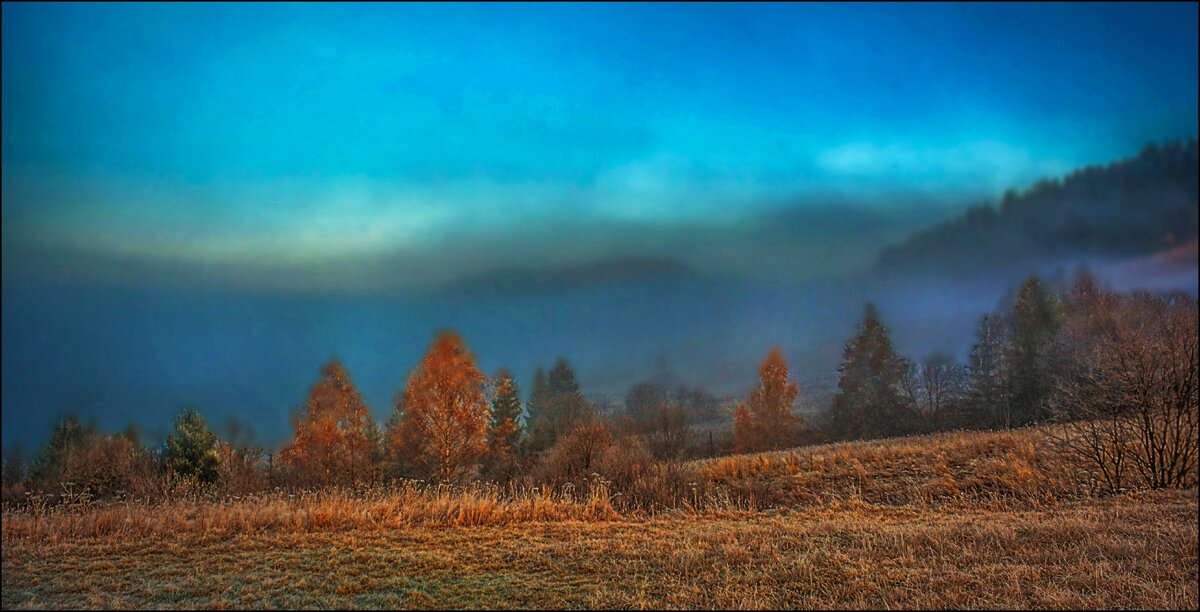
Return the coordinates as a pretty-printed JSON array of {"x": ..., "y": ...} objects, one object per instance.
[
  {"x": 306, "y": 166},
  {"x": 438, "y": 139}
]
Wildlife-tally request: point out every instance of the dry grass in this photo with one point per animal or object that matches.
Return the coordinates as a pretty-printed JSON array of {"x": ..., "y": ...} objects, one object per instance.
[
  {"x": 401, "y": 507},
  {"x": 957, "y": 469},
  {"x": 957, "y": 520}
]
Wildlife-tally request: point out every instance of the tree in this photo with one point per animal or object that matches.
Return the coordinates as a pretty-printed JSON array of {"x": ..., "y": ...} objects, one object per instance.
[
  {"x": 700, "y": 405},
  {"x": 575, "y": 456},
  {"x": 659, "y": 419},
  {"x": 191, "y": 449},
  {"x": 47, "y": 465},
  {"x": 1128, "y": 398},
  {"x": 766, "y": 421},
  {"x": 539, "y": 396},
  {"x": 988, "y": 403},
  {"x": 562, "y": 378},
  {"x": 564, "y": 408},
  {"x": 443, "y": 429},
  {"x": 336, "y": 439},
  {"x": 1035, "y": 322},
  {"x": 504, "y": 432},
  {"x": 643, "y": 399},
  {"x": 934, "y": 388},
  {"x": 868, "y": 403}
]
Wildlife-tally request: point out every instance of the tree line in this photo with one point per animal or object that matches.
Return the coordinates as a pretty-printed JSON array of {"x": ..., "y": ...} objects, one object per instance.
[{"x": 1116, "y": 372}]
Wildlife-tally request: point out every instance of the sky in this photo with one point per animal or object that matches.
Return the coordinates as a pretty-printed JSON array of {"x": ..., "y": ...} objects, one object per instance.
[
  {"x": 202, "y": 203},
  {"x": 354, "y": 147}
]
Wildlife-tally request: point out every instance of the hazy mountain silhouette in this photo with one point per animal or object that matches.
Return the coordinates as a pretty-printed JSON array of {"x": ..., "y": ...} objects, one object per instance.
[{"x": 1144, "y": 204}]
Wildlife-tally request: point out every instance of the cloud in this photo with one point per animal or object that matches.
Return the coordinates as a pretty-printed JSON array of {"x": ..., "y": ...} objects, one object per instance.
[{"x": 988, "y": 165}]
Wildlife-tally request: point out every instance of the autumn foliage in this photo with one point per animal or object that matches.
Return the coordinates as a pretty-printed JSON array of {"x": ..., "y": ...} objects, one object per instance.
[
  {"x": 766, "y": 421},
  {"x": 442, "y": 432},
  {"x": 335, "y": 436}
]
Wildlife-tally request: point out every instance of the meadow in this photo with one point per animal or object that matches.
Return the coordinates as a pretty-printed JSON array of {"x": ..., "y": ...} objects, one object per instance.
[{"x": 960, "y": 519}]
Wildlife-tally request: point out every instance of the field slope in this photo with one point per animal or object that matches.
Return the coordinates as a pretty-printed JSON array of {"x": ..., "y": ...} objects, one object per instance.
[{"x": 890, "y": 544}]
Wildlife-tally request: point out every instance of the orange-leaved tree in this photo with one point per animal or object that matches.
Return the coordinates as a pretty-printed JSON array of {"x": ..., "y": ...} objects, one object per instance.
[
  {"x": 765, "y": 421},
  {"x": 336, "y": 440},
  {"x": 442, "y": 433}
]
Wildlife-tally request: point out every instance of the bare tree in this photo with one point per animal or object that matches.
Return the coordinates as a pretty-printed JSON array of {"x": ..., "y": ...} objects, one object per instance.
[
  {"x": 934, "y": 387},
  {"x": 1126, "y": 392}
]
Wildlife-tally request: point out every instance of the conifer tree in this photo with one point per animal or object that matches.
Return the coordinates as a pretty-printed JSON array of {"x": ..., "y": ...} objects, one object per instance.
[
  {"x": 191, "y": 449},
  {"x": 868, "y": 403},
  {"x": 562, "y": 378},
  {"x": 988, "y": 402},
  {"x": 506, "y": 412},
  {"x": 1034, "y": 325},
  {"x": 48, "y": 463},
  {"x": 539, "y": 397},
  {"x": 563, "y": 409}
]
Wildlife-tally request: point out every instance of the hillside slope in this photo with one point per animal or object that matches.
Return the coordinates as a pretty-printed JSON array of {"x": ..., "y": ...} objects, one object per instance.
[{"x": 1140, "y": 205}]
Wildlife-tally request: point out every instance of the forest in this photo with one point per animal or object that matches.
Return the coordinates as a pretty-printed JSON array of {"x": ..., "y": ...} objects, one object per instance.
[{"x": 1114, "y": 373}]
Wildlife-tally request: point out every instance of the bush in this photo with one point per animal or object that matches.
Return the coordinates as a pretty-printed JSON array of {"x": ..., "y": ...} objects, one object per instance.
[{"x": 575, "y": 457}]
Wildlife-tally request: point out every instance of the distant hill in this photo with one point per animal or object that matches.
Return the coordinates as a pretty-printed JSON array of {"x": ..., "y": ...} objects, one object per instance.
[
  {"x": 1140, "y": 205},
  {"x": 513, "y": 281}
]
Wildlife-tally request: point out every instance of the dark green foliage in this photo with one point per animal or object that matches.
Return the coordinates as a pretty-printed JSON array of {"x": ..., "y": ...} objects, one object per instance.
[
  {"x": 506, "y": 407},
  {"x": 539, "y": 396},
  {"x": 988, "y": 402},
  {"x": 563, "y": 413},
  {"x": 561, "y": 410},
  {"x": 48, "y": 464},
  {"x": 1035, "y": 323},
  {"x": 562, "y": 378},
  {"x": 1142, "y": 204},
  {"x": 191, "y": 449},
  {"x": 869, "y": 403}
]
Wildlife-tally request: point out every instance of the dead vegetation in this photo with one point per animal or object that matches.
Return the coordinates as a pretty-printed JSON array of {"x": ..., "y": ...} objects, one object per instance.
[{"x": 968, "y": 519}]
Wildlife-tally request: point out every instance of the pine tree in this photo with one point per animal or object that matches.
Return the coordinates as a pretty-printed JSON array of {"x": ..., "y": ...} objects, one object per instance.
[
  {"x": 48, "y": 463},
  {"x": 443, "y": 430},
  {"x": 335, "y": 435},
  {"x": 868, "y": 403},
  {"x": 988, "y": 402},
  {"x": 539, "y": 396},
  {"x": 563, "y": 409},
  {"x": 1035, "y": 323},
  {"x": 191, "y": 449},
  {"x": 506, "y": 411},
  {"x": 562, "y": 378},
  {"x": 766, "y": 421}
]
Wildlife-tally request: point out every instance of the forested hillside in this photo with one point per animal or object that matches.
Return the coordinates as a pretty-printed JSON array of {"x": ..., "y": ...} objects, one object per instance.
[{"x": 1139, "y": 205}]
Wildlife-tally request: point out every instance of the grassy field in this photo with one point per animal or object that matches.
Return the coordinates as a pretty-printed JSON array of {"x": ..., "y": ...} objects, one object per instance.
[{"x": 978, "y": 520}]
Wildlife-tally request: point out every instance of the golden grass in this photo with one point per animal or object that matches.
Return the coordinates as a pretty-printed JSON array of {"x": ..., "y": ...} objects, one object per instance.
[
  {"x": 332, "y": 510},
  {"x": 978, "y": 520},
  {"x": 1122, "y": 552},
  {"x": 962, "y": 469}
]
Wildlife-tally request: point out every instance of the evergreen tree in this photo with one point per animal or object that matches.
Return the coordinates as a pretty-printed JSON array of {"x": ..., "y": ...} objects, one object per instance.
[
  {"x": 988, "y": 402},
  {"x": 563, "y": 409},
  {"x": 47, "y": 465},
  {"x": 539, "y": 396},
  {"x": 506, "y": 411},
  {"x": 1034, "y": 325},
  {"x": 562, "y": 378},
  {"x": 191, "y": 449},
  {"x": 869, "y": 403}
]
